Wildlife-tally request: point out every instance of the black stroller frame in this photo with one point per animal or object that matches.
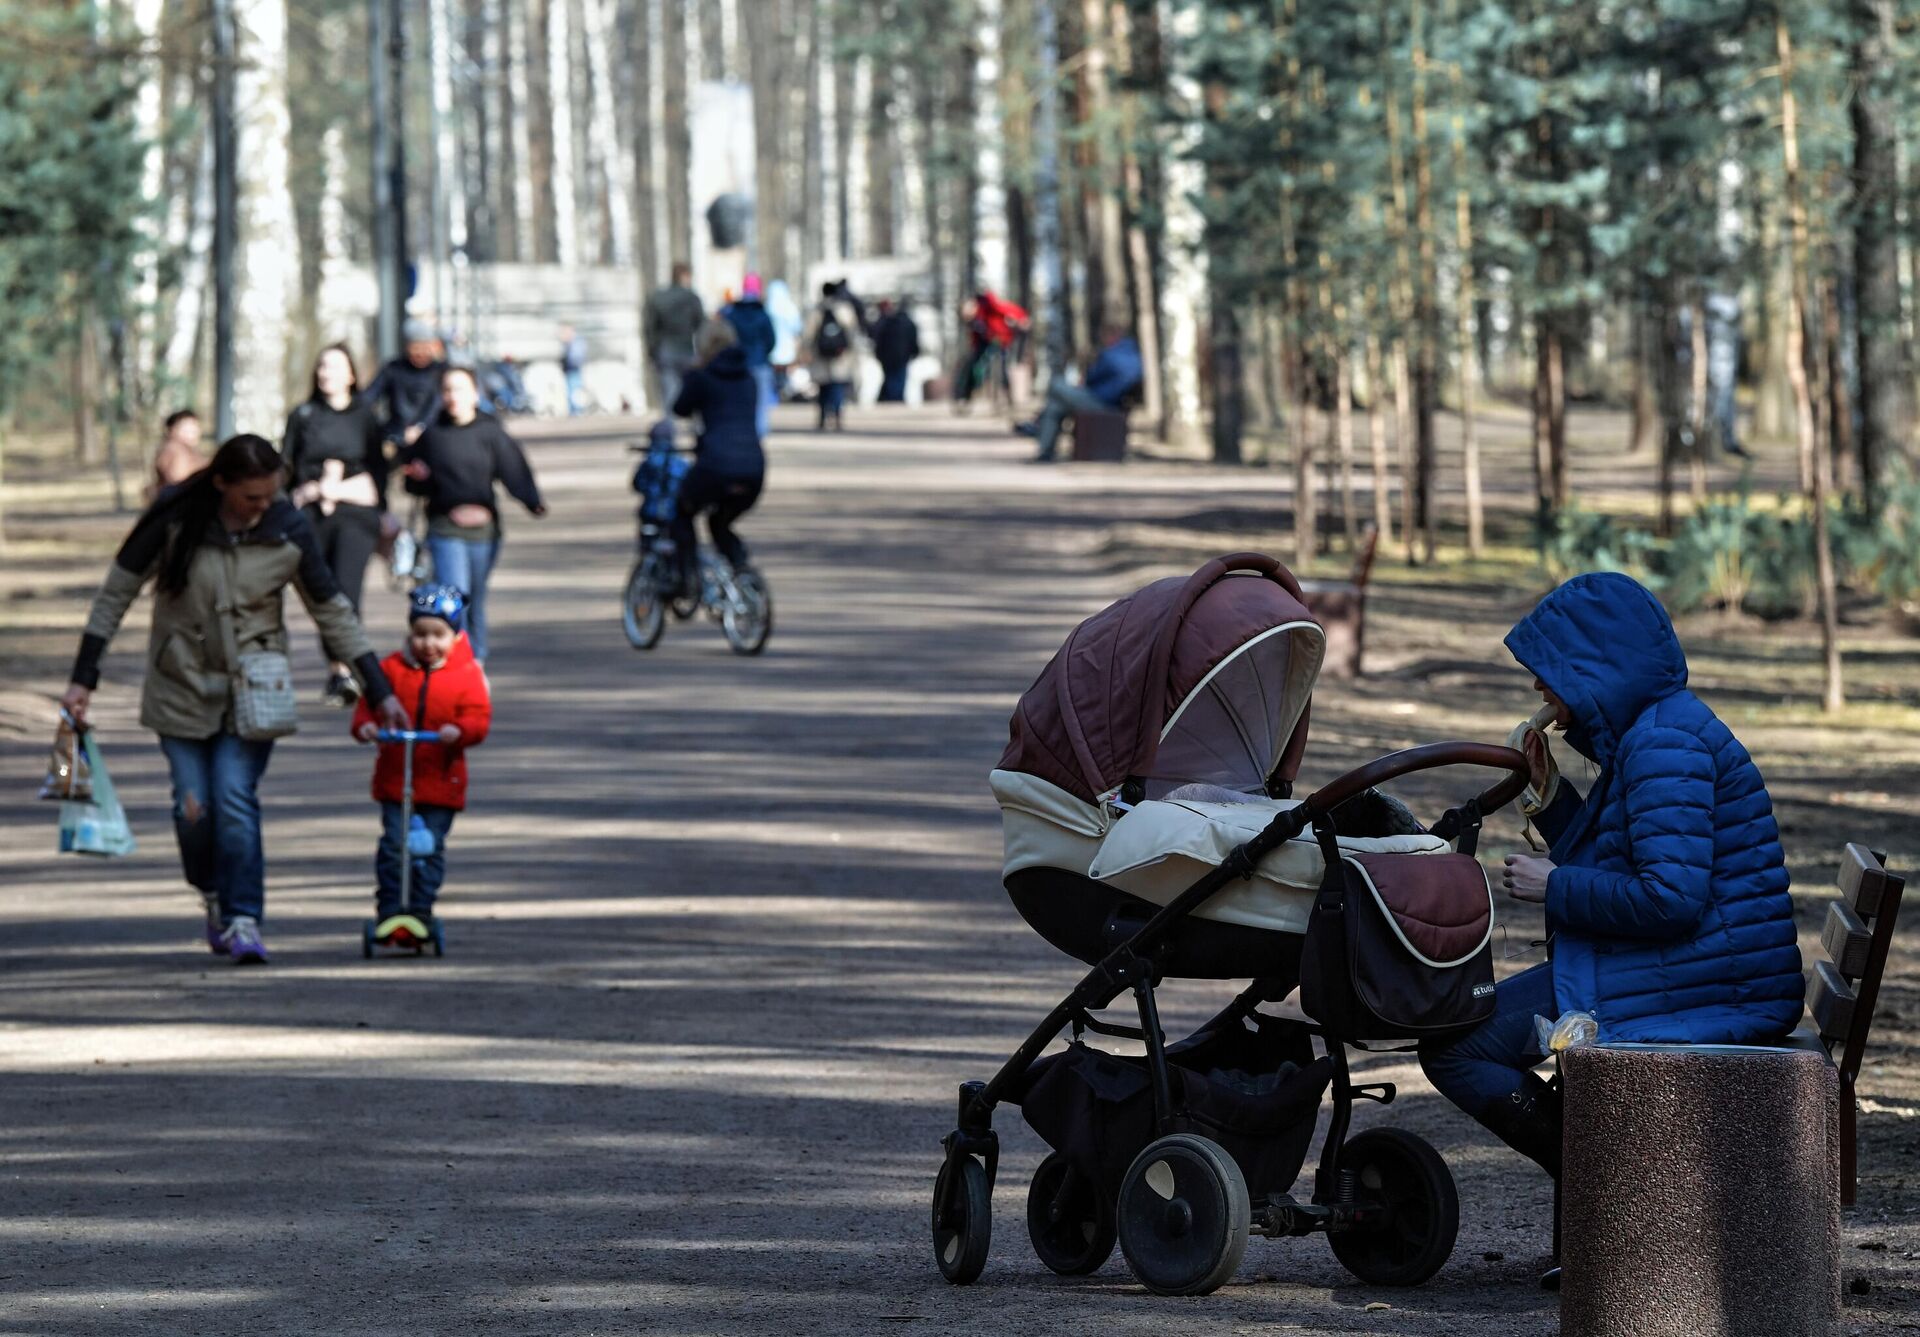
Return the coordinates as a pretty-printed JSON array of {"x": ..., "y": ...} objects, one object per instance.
[{"x": 1341, "y": 1205}]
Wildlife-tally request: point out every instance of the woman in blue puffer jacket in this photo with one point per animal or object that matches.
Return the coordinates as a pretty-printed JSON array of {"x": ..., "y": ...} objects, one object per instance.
[{"x": 1665, "y": 887}]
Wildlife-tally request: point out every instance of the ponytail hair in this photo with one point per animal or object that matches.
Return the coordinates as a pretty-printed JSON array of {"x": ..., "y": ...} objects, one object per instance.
[{"x": 191, "y": 507}]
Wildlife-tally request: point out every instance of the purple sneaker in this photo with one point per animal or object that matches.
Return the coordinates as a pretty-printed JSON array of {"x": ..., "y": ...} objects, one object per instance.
[{"x": 243, "y": 944}]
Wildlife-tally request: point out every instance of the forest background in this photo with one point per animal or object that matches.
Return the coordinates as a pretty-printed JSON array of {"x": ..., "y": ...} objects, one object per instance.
[{"x": 1330, "y": 225}]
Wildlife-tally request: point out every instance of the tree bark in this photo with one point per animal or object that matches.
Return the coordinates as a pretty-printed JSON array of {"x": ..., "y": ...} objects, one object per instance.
[
  {"x": 1143, "y": 187},
  {"x": 813, "y": 166},
  {"x": 1343, "y": 442},
  {"x": 1834, "y": 693},
  {"x": 679, "y": 155},
  {"x": 1377, "y": 432},
  {"x": 880, "y": 158},
  {"x": 545, "y": 247},
  {"x": 1886, "y": 378},
  {"x": 640, "y": 134},
  {"x": 1840, "y": 444},
  {"x": 765, "y": 22},
  {"x": 714, "y": 56},
  {"x": 1426, "y": 339},
  {"x": 1464, "y": 308}
]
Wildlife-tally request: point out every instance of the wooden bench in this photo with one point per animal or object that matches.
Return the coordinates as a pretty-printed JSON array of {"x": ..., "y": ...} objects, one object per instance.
[
  {"x": 1844, "y": 986},
  {"x": 1340, "y": 607}
]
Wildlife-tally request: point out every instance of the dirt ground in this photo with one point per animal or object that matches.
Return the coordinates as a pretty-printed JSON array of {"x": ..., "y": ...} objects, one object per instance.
[{"x": 724, "y": 934}]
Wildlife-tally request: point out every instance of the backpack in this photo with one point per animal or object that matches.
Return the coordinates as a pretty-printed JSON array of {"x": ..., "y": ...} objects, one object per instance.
[{"x": 830, "y": 340}]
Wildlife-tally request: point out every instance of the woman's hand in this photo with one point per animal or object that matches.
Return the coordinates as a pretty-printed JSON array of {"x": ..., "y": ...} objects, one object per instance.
[
  {"x": 75, "y": 702},
  {"x": 392, "y": 714},
  {"x": 1525, "y": 878}
]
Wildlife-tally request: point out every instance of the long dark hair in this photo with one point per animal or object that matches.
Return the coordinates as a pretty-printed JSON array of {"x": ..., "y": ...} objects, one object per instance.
[
  {"x": 353, "y": 372},
  {"x": 189, "y": 508}
]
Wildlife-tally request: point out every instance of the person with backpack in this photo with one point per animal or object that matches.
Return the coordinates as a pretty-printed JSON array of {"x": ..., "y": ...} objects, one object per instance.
[
  {"x": 829, "y": 339},
  {"x": 754, "y": 331}
]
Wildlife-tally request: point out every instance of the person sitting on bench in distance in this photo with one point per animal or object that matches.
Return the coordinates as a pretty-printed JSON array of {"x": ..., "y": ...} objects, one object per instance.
[
  {"x": 1665, "y": 887},
  {"x": 1114, "y": 375}
]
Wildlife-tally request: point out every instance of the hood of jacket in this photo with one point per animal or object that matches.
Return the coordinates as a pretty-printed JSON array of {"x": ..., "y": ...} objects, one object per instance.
[
  {"x": 729, "y": 363},
  {"x": 1604, "y": 645}
]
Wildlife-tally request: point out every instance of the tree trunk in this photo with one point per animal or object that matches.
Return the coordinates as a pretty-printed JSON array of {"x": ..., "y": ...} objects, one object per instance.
[
  {"x": 1886, "y": 379},
  {"x": 1464, "y": 308},
  {"x": 510, "y": 238},
  {"x": 540, "y": 132},
  {"x": 1139, "y": 40},
  {"x": 639, "y": 99},
  {"x": 880, "y": 159},
  {"x": 613, "y": 189},
  {"x": 813, "y": 163},
  {"x": 767, "y": 72},
  {"x": 1644, "y": 426},
  {"x": 714, "y": 55},
  {"x": 844, "y": 72},
  {"x": 1403, "y": 301},
  {"x": 1046, "y": 205},
  {"x": 1697, "y": 406},
  {"x": 1403, "y": 440},
  {"x": 1834, "y": 695},
  {"x": 1546, "y": 377},
  {"x": 1343, "y": 442},
  {"x": 266, "y": 259},
  {"x": 673, "y": 115},
  {"x": 1306, "y": 496},
  {"x": 1377, "y": 433},
  {"x": 1840, "y": 445},
  {"x": 1426, "y": 339}
]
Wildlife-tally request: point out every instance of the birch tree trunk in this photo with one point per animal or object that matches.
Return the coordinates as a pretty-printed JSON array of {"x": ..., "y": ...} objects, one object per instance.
[
  {"x": 267, "y": 267},
  {"x": 513, "y": 219},
  {"x": 1377, "y": 431},
  {"x": 566, "y": 211},
  {"x": 880, "y": 159},
  {"x": 541, "y": 133},
  {"x": 1834, "y": 695},
  {"x": 1426, "y": 316},
  {"x": 713, "y": 39},
  {"x": 813, "y": 168},
  {"x": 1463, "y": 300},
  {"x": 640, "y": 137},
  {"x": 614, "y": 187}
]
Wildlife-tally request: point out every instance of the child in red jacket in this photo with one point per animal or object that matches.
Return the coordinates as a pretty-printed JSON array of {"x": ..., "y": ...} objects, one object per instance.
[{"x": 444, "y": 688}]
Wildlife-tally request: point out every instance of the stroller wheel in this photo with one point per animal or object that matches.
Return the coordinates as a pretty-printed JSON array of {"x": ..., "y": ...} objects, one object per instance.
[
  {"x": 1406, "y": 1176},
  {"x": 962, "y": 1219},
  {"x": 1183, "y": 1215},
  {"x": 1069, "y": 1219}
]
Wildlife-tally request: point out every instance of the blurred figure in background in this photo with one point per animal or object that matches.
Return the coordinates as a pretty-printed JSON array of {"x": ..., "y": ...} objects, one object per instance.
[
  {"x": 179, "y": 457},
  {"x": 408, "y": 388},
  {"x": 729, "y": 464},
  {"x": 896, "y": 343},
  {"x": 993, "y": 323},
  {"x": 754, "y": 329},
  {"x": 672, "y": 318},
  {"x": 573, "y": 362},
  {"x": 829, "y": 341},
  {"x": 1113, "y": 377},
  {"x": 788, "y": 324}
]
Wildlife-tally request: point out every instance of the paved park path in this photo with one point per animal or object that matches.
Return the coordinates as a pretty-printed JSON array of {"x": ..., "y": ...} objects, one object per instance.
[{"x": 723, "y": 936}]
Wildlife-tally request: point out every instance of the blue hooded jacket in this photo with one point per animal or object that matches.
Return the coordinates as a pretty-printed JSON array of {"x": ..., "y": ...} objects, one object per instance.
[{"x": 1668, "y": 904}]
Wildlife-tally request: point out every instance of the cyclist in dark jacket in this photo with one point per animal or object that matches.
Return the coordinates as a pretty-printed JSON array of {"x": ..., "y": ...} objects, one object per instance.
[{"x": 729, "y": 466}]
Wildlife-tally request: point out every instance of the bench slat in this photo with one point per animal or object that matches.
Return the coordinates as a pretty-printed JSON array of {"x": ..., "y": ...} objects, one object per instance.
[
  {"x": 1830, "y": 999},
  {"x": 1847, "y": 939},
  {"x": 1863, "y": 880}
]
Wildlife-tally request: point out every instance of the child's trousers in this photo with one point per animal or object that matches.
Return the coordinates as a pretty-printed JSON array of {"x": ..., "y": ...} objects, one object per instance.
[{"x": 429, "y": 870}]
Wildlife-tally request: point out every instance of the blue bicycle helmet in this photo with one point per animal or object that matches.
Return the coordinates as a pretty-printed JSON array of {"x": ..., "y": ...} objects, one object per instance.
[{"x": 441, "y": 601}]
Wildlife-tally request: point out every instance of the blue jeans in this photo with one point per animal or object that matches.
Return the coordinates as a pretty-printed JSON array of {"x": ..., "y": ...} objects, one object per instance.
[
  {"x": 833, "y": 400},
  {"x": 574, "y": 408},
  {"x": 1488, "y": 1072},
  {"x": 429, "y": 870},
  {"x": 465, "y": 565},
  {"x": 216, "y": 817},
  {"x": 893, "y": 385},
  {"x": 763, "y": 405}
]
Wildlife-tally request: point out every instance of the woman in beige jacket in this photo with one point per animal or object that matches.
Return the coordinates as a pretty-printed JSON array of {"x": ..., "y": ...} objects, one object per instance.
[
  {"x": 831, "y": 339},
  {"x": 221, "y": 549}
]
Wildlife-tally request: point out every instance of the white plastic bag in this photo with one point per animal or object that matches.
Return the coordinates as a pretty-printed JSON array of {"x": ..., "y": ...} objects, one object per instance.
[{"x": 100, "y": 827}]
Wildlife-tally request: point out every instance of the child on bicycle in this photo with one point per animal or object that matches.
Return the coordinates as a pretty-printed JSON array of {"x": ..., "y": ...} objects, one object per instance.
[
  {"x": 729, "y": 464},
  {"x": 443, "y": 685}
]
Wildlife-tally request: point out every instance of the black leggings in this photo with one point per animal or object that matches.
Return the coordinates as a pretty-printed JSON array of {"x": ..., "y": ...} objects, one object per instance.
[
  {"x": 724, "y": 499},
  {"x": 348, "y": 539}
]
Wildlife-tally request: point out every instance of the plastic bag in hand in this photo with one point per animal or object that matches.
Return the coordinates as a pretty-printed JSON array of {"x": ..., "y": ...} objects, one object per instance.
[
  {"x": 99, "y": 827},
  {"x": 69, "y": 778},
  {"x": 1574, "y": 1030}
]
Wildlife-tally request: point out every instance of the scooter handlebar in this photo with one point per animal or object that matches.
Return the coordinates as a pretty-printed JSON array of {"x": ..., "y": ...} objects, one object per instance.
[{"x": 406, "y": 736}]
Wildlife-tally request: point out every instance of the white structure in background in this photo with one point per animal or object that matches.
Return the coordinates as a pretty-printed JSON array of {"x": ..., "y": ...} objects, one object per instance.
[
  {"x": 267, "y": 259},
  {"x": 722, "y": 130},
  {"x": 1185, "y": 298}
]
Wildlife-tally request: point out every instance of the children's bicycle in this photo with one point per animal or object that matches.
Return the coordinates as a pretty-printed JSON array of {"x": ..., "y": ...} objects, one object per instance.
[
  {"x": 738, "y": 599},
  {"x": 407, "y": 931}
]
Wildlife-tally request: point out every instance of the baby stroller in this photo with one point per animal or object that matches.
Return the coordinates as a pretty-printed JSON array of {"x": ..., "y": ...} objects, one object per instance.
[{"x": 1150, "y": 832}]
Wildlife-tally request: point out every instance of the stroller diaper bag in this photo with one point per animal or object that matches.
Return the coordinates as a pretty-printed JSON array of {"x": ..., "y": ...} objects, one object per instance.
[
  {"x": 1399, "y": 946},
  {"x": 1256, "y": 1092}
]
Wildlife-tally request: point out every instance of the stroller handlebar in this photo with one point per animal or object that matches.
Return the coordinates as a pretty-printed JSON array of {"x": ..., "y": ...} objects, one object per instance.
[{"x": 1426, "y": 758}]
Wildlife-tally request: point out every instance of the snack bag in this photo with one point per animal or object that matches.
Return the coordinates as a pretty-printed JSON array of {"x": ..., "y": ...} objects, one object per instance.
[
  {"x": 69, "y": 778},
  {"x": 99, "y": 827}
]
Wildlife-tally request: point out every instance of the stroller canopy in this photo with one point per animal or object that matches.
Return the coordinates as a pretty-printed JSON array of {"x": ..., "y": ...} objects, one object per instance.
[{"x": 1197, "y": 679}]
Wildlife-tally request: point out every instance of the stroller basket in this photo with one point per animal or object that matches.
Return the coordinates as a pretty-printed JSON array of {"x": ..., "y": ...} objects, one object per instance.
[{"x": 1255, "y": 1092}]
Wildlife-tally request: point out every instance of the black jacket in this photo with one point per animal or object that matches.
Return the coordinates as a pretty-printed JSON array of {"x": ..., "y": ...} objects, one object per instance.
[
  {"x": 410, "y": 394},
  {"x": 317, "y": 433},
  {"x": 896, "y": 339},
  {"x": 724, "y": 396},
  {"x": 464, "y": 463}
]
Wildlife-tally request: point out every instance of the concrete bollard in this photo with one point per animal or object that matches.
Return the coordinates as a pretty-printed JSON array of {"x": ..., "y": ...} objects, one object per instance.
[{"x": 1700, "y": 1193}]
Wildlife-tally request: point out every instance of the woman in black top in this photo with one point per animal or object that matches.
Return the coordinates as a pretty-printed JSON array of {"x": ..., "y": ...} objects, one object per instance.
[
  {"x": 729, "y": 464},
  {"x": 455, "y": 465},
  {"x": 337, "y": 474}
]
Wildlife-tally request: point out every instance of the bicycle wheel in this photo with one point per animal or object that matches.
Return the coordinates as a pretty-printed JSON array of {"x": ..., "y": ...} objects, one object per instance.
[
  {"x": 642, "y": 612},
  {"x": 746, "y": 613}
]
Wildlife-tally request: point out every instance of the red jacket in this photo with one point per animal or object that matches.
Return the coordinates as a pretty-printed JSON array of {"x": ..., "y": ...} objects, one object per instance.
[
  {"x": 999, "y": 316},
  {"x": 455, "y": 693}
]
